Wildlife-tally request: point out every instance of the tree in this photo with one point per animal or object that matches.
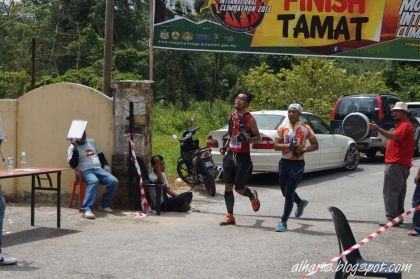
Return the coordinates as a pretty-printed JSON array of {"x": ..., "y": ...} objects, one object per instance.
[
  {"x": 403, "y": 79},
  {"x": 315, "y": 83},
  {"x": 13, "y": 84}
]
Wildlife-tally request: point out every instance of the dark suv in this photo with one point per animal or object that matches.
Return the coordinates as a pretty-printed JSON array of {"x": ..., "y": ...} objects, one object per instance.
[{"x": 376, "y": 108}]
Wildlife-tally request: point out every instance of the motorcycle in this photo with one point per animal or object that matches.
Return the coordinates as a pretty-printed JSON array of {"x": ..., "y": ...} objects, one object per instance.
[{"x": 195, "y": 166}]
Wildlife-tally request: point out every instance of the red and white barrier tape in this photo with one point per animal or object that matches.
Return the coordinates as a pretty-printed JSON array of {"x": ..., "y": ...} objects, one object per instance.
[
  {"x": 363, "y": 242},
  {"x": 143, "y": 200}
]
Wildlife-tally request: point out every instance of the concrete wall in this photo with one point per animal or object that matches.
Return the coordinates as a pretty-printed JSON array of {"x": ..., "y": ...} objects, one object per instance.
[
  {"x": 140, "y": 93},
  {"x": 43, "y": 118}
]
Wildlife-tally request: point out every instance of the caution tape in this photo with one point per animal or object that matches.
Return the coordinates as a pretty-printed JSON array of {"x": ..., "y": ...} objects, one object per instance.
[
  {"x": 361, "y": 243},
  {"x": 143, "y": 200}
]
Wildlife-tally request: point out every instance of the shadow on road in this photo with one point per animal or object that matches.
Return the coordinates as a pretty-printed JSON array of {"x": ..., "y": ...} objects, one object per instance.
[
  {"x": 303, "y": 229},
  {"x": 20, "y": 266},
  {"x": 36, "y": 234},
  {"x": 269, "y": 179}
]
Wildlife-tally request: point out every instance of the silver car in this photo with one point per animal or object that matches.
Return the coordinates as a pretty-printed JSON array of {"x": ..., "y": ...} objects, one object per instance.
[
  {"x": 335, "y": 151},
  {"x": 414, "y": 108}
]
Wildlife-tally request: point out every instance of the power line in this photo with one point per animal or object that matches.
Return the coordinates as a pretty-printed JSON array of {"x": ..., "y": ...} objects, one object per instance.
[{"x": 25, "y": 12}]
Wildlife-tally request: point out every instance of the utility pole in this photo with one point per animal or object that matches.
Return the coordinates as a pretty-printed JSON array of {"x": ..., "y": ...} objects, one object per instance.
[
  {"x": 109, "y": 25},
  {"x": 33, "y": 74},
  {"x": 151, "y": 39}
]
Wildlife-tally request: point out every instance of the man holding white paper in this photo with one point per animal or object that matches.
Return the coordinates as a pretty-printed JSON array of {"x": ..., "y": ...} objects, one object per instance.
[{"x": 86, "y": 156}]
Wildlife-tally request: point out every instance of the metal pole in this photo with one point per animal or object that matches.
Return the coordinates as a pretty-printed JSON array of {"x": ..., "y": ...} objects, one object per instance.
[
  {"x": 109, "y": 24},
  {"x": 1, "y": 44},
  {"x": 131, "y": 191},
  {"x": 33, "y": 64},
  {"x": 151, "y": 14}
]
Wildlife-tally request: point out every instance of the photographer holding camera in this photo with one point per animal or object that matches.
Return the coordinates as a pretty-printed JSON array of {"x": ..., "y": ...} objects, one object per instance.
[
  {"x": 292, "y": 136},
  {"x": 237, "y": 165}
]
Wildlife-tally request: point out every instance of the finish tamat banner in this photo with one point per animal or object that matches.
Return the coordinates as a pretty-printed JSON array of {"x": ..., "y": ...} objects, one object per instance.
[{"x": 382, "y": 29}]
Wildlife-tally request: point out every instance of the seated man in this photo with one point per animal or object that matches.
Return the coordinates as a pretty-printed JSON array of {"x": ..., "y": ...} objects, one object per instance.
[
  {"x": 176, "y": 202},
  {"x": 4, "y": 259},
  {"x": 86, "y": 156}
]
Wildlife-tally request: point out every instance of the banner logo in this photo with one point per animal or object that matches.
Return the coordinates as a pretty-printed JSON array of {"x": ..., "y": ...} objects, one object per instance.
[{"x": 239, "y": 15}]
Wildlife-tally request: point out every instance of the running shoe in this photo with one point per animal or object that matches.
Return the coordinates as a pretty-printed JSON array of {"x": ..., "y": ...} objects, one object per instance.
[
  {"x": 255, "y": 202},
  {"x": 300, "y": 208},
  {"x": 229, "y": 220},
  {"x": 282, "y": 227}
]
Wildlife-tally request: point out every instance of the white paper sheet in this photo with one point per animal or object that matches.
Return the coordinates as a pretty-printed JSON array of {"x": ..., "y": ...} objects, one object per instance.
[{"x": 76, "y": 129}]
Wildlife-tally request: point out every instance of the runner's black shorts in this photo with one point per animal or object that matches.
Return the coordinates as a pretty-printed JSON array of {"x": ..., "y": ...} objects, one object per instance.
[{"x": 237, "y": 168}]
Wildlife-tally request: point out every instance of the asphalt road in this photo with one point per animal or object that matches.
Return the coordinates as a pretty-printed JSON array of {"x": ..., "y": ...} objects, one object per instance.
[{"x": 193, "y": 245}]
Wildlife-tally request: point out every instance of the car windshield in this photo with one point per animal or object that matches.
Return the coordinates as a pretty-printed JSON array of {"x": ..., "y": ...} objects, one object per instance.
[
  {"x": 415, "y": 109},
  {"x": 365, "y": 105},
  {"x": 268, "y": 121}
]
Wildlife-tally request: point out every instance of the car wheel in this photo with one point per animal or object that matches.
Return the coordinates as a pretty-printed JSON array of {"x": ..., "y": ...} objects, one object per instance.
[{"x": 351, "y": 159}]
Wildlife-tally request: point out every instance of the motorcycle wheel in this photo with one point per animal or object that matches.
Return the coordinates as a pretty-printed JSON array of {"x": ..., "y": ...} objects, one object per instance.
[
  {"x": 184, "y": 173},
  {"x": 210, "y": 184}
]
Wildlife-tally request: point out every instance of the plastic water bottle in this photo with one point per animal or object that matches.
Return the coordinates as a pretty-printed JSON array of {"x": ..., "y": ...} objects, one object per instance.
[
  {"x": 23, "y": 160},
  {"x": 10, "y": 162}
]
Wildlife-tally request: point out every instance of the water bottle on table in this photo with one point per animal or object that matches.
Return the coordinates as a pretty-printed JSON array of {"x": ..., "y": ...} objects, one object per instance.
[
  {"x": 23, "y": 160},
  {"x": 10, "y": 163}
]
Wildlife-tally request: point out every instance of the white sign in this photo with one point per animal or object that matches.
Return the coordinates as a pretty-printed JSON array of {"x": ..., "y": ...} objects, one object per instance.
[{"x": 76, "y": 129}]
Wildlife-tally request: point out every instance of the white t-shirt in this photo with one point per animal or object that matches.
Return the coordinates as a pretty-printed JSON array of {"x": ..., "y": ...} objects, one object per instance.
[
  {"x": 154, "y": 179},
  {"x": 88, "y": 155}
]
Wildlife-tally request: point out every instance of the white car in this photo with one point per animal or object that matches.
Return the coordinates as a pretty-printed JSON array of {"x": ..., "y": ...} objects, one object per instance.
[
  {"x": 414, "y": 108},
  {"x": 335, "y": 151}
]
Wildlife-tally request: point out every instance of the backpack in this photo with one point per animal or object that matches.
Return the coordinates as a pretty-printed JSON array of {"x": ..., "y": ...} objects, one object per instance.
[{"x": 230, "y": 126}]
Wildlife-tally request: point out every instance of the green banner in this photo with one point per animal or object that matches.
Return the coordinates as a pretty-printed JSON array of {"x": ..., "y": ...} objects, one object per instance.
[{"x": 380, "y": 29}]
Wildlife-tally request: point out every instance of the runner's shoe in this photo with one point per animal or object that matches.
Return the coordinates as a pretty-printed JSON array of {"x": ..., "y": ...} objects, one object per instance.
[
  {"x": 229, "y": 220},
  {"x": 255, "y": 202},
  {"x": 281, "y": 227},
  {"x": 300, "y": 208}
]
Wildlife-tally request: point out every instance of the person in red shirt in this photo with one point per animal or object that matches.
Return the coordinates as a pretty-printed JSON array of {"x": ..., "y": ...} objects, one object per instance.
[
  {"x": 398, "y": 157},
  {"x": 237, "y": 164}
]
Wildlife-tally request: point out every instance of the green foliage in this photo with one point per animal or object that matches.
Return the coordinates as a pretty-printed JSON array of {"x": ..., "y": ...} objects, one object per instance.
[
  {"x": 169, "y": 120},
  {"x": 131, "y": 60},
  {"x": 403, "y": 78},
  {"x": 87, "y": 76},
  {"x": 265, "y": 85},
  {"x": 13, "y": 84},
  {"x": 315, "y": 83},
  {"x": 126, "y": 76}
]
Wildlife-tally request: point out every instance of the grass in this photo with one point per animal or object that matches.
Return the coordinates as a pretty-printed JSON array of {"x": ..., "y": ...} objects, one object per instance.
[{"x": 169, "y": 120}]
